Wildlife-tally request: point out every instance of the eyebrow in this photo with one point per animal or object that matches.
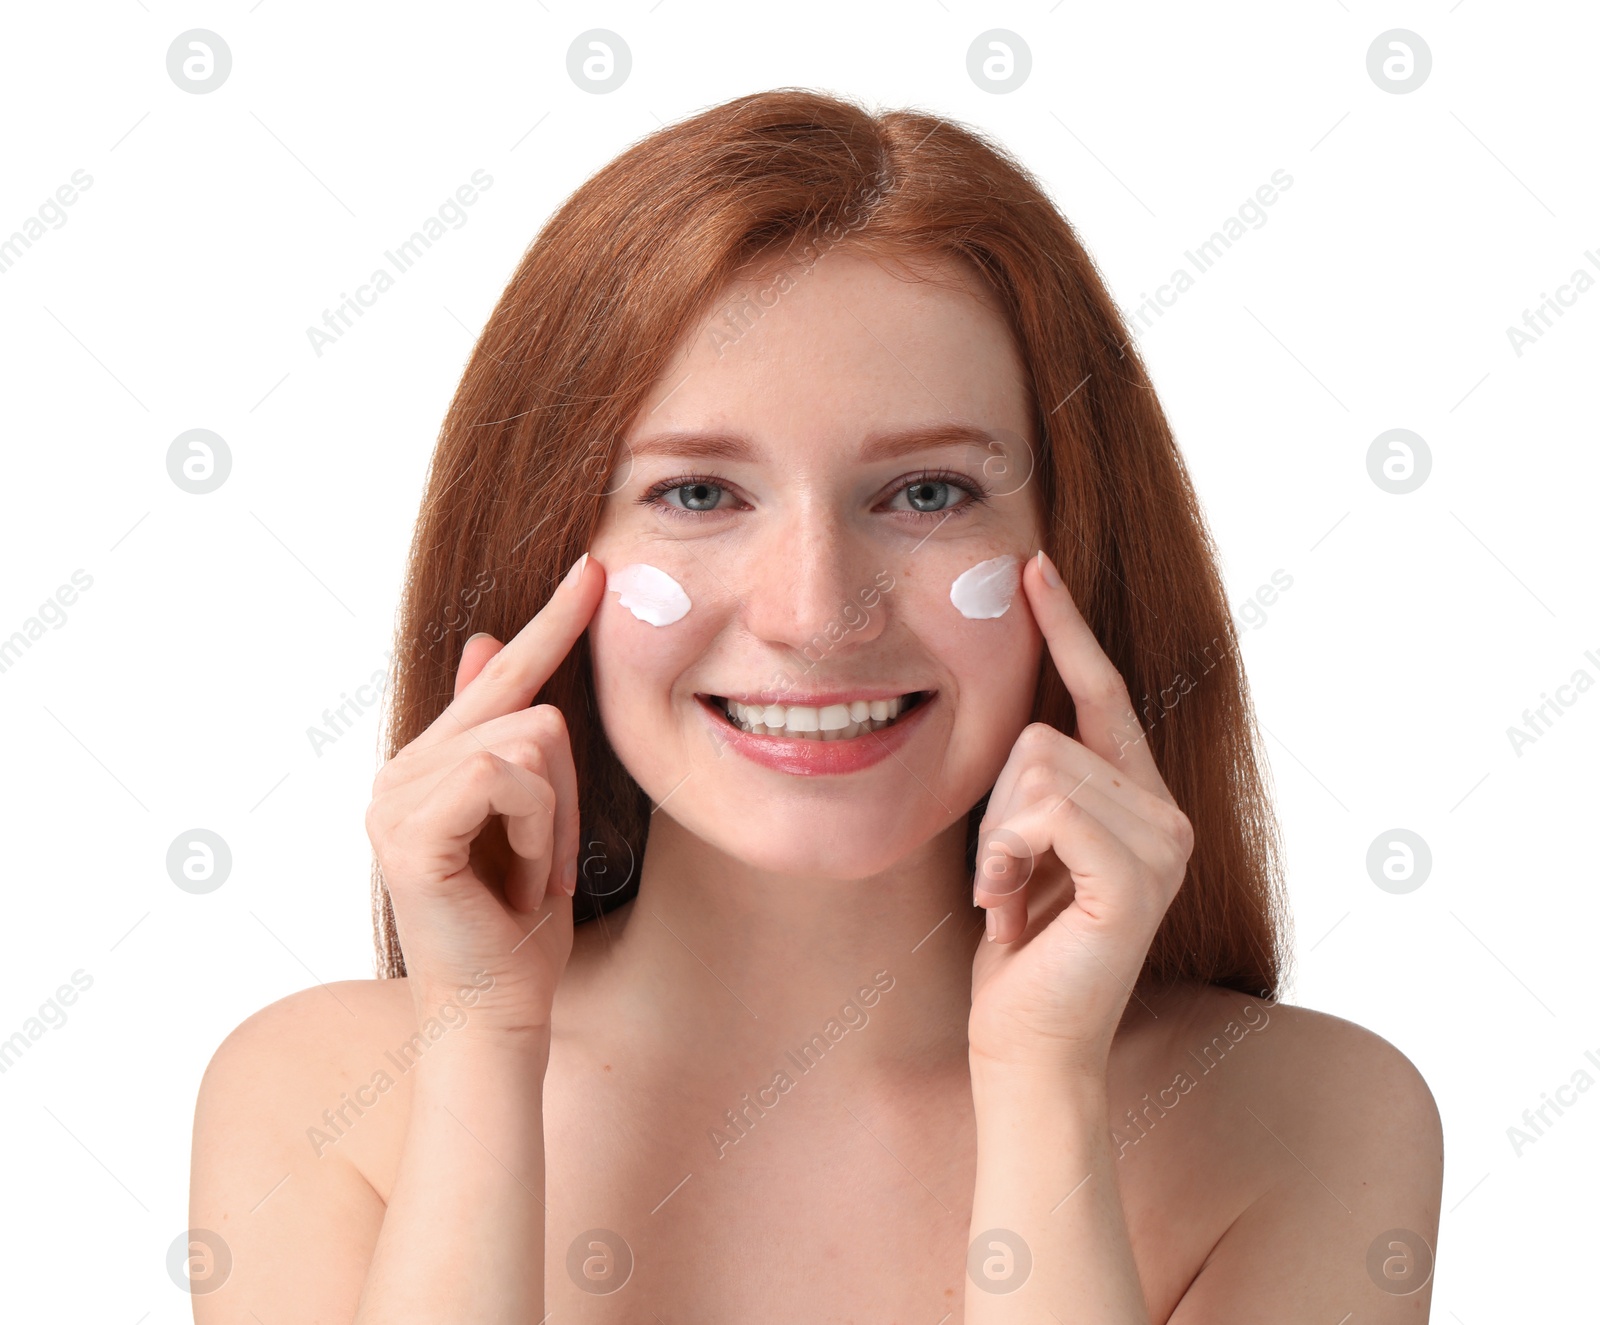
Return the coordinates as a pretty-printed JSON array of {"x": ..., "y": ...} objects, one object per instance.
[{"x": 877, "y": 446}]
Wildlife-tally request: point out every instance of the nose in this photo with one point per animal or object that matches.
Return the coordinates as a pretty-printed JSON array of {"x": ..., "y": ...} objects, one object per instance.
[{"x": 813, "y": 588}]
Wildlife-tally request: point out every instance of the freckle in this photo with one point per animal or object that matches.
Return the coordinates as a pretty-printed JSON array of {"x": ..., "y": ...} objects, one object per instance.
[
  {"x": 1115, "y": 783},
  {"x": 608, "y": 1067}
]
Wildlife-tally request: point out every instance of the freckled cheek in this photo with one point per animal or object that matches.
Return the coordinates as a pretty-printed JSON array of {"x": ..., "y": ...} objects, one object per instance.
[
  {"x": 637, "y": 663},
  {"x": 991, "y": 660},
  {"x": 987, "y": 589},
  {"x": 967, "y": 605},
  {"x": 970, "y": 596}
]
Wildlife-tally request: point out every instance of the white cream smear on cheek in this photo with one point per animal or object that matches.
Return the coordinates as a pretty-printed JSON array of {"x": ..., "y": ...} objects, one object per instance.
[
  {"x": 649, "y": 593},
  {"x": 986, "y": 590}
]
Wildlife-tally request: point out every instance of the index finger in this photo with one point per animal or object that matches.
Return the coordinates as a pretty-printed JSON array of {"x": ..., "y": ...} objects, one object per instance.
[
  {"x": 1107, "y": 723},
  {"x": 510, "y": 680}
]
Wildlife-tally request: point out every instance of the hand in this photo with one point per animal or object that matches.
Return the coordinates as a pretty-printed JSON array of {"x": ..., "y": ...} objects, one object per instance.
[
  {"x": 1080, "y": 852},
  {"x": 499, "y": 902}
]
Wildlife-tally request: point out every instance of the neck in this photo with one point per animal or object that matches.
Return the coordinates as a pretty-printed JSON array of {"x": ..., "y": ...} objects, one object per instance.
[{"x": 722, "y": 967}]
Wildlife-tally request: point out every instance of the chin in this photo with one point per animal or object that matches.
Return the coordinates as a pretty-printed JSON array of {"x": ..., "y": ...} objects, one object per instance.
[{"x": 804, "y": 852}]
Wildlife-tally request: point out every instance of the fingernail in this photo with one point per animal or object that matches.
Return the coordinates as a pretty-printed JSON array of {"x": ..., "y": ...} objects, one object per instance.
[
  {"x": 1048, "y": 570},
  {"x": 569, "y": 878},
  {"x": 482, "y": 634},
  {"x": 990, "y": 925},
  {"x": 577, "y": 568}
]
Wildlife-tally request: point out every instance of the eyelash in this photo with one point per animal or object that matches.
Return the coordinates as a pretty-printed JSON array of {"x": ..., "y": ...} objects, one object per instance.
[{"x": 976, "y": 490}]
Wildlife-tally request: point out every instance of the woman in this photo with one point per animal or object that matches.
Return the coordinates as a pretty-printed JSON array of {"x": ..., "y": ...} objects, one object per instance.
[{"x": 687, "y": 1014}]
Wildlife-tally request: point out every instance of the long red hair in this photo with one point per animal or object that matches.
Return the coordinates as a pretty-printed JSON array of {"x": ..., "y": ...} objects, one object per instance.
[{"x": 642, "y": 252}]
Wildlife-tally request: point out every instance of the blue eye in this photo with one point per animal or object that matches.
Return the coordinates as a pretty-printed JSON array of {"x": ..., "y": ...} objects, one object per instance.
[
  {"x": 702, "y": 494},
  {"x": 927, "y": 487},
  {"x": 696, "y": 490}
]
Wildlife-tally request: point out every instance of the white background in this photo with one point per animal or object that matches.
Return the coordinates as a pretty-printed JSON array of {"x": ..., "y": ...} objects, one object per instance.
[{"x": 179, "y": 690}]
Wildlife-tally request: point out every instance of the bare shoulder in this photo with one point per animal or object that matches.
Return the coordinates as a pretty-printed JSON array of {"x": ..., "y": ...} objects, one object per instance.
[
  {"x": 1342, "y": 1141},
  {"x": 296, "y": 1048},
  {"x": 329, "y": 1062},
  {"x": 1312, "y": 1070},
  {"x": 280, "y": 1156},
  {"x": 321, "y": 1017}
]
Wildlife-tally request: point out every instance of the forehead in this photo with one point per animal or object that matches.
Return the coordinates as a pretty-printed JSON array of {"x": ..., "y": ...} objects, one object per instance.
[{"x": 849, "y": 346}]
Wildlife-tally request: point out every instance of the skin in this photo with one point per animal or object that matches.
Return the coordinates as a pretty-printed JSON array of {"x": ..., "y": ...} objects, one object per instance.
[
  {"x": 990, "y": 1086},
  {"x": 787, "y": 549}
]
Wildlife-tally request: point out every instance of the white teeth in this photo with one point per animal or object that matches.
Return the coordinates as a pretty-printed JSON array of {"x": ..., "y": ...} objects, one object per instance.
[
  {"x": 799, "y": 718},
  {"x": 833, "y": 717},
  {"x": 830, "y": 722}
]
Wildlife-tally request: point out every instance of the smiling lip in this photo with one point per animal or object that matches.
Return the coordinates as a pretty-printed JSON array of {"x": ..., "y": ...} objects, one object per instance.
[
  {"x": 812, "y": 698},
  {"x": 812, "y": 758}
]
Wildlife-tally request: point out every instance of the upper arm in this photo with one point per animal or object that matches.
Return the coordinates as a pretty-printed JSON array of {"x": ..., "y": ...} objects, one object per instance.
[
  {"x": 278, "y": 1231},
  {"x": 1349, "y": 1221}
]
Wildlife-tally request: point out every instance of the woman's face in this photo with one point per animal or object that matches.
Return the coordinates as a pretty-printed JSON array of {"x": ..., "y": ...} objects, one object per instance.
[{"x": 831, "y": 452}]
